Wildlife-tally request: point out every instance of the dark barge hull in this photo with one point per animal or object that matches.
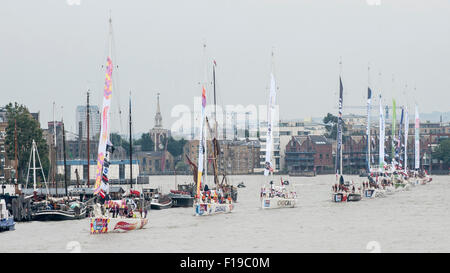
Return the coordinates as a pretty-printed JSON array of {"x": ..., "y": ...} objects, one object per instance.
[
  {"x": 182, "y": 201},
  {"x": 160, "y": 206},
  {"x": 57, "y": 215}
]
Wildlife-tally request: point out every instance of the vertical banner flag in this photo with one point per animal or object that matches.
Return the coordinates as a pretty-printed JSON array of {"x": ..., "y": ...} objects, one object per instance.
[
  {"x": 417, "y": 140},
  {"x": 394, "y": 121},
  {"x": 201, "y": 143},
  {"x": 339, "y": 127},
  {"x": 406, "y": 138},
  {"x": 398, "y": 150},
  {"x": 100, "y": 186},
  {"x": 382, "y": 135},
  {"x": 268, "y": 168},
  {"x": 369, "y": 98}
]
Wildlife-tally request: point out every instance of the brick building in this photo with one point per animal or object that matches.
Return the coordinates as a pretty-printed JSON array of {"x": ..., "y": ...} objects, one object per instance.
[
  {"x": 236, "y": 156},
  {"x": 309, "y": 153}
]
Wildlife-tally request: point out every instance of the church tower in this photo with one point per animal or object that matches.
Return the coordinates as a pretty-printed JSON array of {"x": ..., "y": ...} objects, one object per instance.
[
  {"x": 158, "y": 134},
  {"x": 158, "y": 116}
]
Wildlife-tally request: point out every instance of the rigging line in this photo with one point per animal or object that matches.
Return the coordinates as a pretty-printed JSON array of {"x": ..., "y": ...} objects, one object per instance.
[{"x": 116, "y": 82}]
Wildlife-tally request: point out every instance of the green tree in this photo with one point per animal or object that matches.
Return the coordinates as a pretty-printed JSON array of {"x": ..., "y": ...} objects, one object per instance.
[
  {"x": 442, "y": 152},
  {"x": 118, "y": 141},
  {"x": 28, "y": 129},
  {"x": 146, "y": 142},
  {"x": 175, "y": 147},
  {"x": 331, "y": 122}
]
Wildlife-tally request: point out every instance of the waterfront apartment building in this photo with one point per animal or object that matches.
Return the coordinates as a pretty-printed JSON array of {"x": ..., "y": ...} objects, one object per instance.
[
  {"x": 6, "y": 165},
  {"x": 288, "y": 129},
  {"x": 309, "y": 154}
]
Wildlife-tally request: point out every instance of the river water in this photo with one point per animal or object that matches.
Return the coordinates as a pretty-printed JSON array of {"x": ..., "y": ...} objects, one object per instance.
[{"x": 417, "y": 220}]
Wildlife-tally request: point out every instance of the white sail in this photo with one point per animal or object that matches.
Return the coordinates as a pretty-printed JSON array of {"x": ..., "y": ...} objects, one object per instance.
[
  {"x": 270, "y": 117},
  {"x": 382, "y": 137},
  {"x": 417, "y": 140}
]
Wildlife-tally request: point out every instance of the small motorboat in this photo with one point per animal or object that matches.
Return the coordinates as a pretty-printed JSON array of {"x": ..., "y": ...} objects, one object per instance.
[
  {"x": 6, "y": 220},
  {"x": 157, "y": 200}
]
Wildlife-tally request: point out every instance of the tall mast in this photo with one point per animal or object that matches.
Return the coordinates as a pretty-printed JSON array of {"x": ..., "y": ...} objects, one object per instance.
[
  {"x": 88, "y": 138},
  {"x": 65, "y": 163},
  {"x": 381, "y": 140},
  {"x": 339, "y": 127},
  {"x": 131, "y": 150},
  {"x": 215, "y": 101},
  {"x": 406, "y": 138},
  {"x": 215, "y": 141},
  {"x": 101, "y": 185},
  {"x": 54, "y": 156},
  {"x": 268, "y": 168},
  {"x": 204, "y": 125},
  {"x": 33, "y": 150},
  {"x": 369, "y": 97},
  {"x": 201, "y": 142},
  {"x": 15, "y": 152},
  {"x": 393, "y": 125},
  {"x": 416, "y": 140}
]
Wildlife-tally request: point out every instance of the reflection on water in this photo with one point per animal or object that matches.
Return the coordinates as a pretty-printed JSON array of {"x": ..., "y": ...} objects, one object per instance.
[{"x": 411, "y": 221}]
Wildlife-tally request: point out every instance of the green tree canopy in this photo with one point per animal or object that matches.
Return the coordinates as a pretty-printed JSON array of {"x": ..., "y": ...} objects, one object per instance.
[
  {"x": 28, "y": 129},
  {"x": 331, "y": 122},
  {"x": 118, "y": 141},
  {"x": 146, "y": 142},
  {"x": 175, "y": 147}
]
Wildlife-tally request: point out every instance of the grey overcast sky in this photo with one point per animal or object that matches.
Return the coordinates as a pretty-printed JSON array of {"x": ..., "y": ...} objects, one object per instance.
[{"x": 53, "y": 51}]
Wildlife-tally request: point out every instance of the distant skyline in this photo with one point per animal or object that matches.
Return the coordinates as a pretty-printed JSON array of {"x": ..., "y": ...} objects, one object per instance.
[{"x": 51, "y": 51}]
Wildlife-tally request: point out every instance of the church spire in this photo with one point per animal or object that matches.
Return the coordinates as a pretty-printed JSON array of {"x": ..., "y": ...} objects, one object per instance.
[{"x": 158, "y": 116}]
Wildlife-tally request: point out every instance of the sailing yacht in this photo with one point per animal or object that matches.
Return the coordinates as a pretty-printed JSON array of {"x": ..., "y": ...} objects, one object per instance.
[
  {"x": 51, "y": 208},
  {"x": 399, "y": 177},
  {"x": 342, "y": 191},
  {"x": 382, "y": 176},
  {"x": 207, "y": 201},
  {"x": 112, "y": 215},
  {"x": 272, "y": 196},
  {"x": 371, "y": 188},
  {"x": 419, "y": 176}
]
